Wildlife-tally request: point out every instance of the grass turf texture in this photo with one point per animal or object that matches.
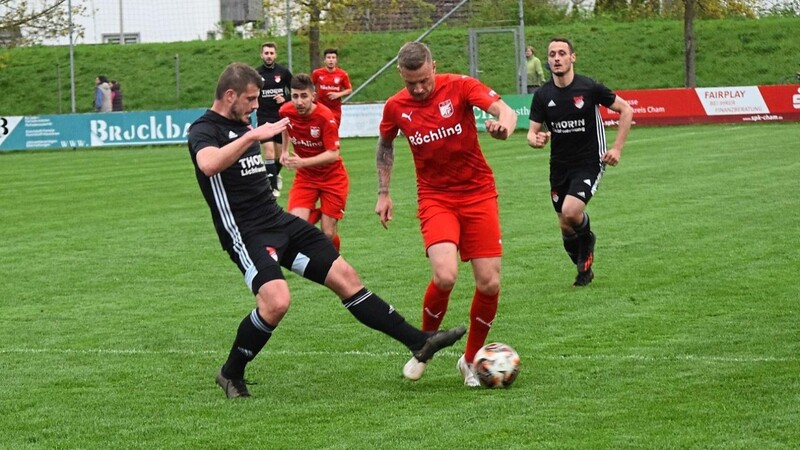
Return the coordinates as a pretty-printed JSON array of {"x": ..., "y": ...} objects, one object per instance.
[{"x": 117, "y": 307}]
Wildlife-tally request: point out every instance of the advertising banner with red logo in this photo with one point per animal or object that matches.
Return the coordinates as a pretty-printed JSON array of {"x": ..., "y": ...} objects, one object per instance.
[{"x": 710, "y": 105}]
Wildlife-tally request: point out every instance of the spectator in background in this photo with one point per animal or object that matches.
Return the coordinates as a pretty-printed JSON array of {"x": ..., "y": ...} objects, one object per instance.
[
  {"x": 102, "y": 94},
  {"x": 116, "y": 96},
  {"x": 533, "y": 67},
  {"x": 332, "y": 84}
]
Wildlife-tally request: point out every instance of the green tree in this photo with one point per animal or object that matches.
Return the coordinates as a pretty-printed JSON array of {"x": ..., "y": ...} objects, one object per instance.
[{"x": 24, "y": 22}]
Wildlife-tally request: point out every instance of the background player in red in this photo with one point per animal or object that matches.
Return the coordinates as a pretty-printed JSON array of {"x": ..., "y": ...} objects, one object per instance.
[
  {"x": 321, "y": 175},
  {"x": 332, "y": 83},
  {"x": 458, "y": 208}
]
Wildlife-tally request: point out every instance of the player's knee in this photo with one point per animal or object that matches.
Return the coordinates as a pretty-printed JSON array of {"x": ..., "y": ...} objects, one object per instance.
[
  {"x": 445, "y": 278},
  {"x": 488, "y": 286},
  {"x": 273, "y": 301},
  {"x": 342, "y": 278}
]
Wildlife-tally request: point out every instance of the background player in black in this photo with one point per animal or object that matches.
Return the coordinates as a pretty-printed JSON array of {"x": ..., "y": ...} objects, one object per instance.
[
  {"x": 260, "y": 237},
  {"x": 274, "y": 93},
  {"x": 569, "y": 106}
]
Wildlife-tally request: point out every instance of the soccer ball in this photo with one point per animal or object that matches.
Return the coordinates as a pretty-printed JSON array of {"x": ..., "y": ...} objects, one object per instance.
[{"x": 496, "y": 365}]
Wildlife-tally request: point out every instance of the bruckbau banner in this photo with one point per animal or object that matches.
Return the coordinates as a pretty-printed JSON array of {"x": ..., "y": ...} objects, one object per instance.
[{"x": 651, "y": 107}]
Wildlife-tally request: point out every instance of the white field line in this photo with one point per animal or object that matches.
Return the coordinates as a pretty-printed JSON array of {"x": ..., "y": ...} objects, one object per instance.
[{"x": 710, "y": 359}]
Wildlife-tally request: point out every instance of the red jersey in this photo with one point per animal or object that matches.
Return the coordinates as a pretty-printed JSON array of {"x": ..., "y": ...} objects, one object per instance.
[
  {"x": 443, "y": 137},
  {"x": 311, "y": 135},
  {"x": 327, "y": 81}
]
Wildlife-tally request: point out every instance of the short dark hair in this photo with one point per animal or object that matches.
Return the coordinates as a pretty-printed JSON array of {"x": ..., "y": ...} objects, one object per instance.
[
  {"x": 331, "y": 50},
  {"x": 268, "y": 44},
  {"x": 237, "y": 76},
  {"x": 302, "y": 81},
  {"x": 102, "y": 78},
  {"x": 413, "y": 55},
  {"x": 564, "y": 40}
]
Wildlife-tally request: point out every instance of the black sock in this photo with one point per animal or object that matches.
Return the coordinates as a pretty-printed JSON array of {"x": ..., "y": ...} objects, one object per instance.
[
  {"x": 572, "y": 246},
  {"x": 272, "y": 172},
  {"x": 278, "y": 167},
  {"x": 251, "y": 337},
  {"x": 375, "y": 313},
  {"x": 584, "y": 228}
]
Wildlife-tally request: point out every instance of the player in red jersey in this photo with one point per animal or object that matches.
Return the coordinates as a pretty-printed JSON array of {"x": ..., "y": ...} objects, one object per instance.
[
  {"x": 321, "y": 175},
  {"x": 458, "y": 208},
  {"x": 332, "y": 83}
]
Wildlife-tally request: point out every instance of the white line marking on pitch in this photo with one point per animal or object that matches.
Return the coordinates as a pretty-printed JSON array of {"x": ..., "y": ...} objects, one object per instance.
[{"x": 693, "y": 358}]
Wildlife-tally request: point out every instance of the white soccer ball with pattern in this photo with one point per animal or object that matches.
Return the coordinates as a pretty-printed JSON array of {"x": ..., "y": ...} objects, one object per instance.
[{"x": 496, "y": 365}]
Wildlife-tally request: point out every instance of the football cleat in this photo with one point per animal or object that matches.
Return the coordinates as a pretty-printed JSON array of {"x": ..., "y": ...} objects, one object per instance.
[
  {"x": 234, "y": 388},
  {"x": 466, "y": 371},
  {"x": 583, "y": 279},
  {"x": 415, "y": 367}
]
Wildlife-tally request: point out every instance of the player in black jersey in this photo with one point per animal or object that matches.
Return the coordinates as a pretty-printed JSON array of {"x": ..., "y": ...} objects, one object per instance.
[
  {"x": 569, "y": 106},
  {"x": 274, "y": 93},
  {"x": 260, "y": 237}
]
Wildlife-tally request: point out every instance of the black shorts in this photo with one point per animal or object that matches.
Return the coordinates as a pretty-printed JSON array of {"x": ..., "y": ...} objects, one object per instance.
[
  {"x": 278, "y": 138},
  {"x": 292, "y": 243},
  {"x": 580, "y": 181}
]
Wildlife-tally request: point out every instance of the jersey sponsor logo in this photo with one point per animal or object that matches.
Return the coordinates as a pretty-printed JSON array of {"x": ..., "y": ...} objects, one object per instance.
[
  {"x": 434, "y": 135},
  {"x": 305, "y": 142},
  {"x": 578, "y": 101},
  {"x": 568, "y": 126},
  {"x": 315, "y": 132},
  {"x": 446, "y": 108},
  {"x": 252, "y": 165},
  {"x": 551, "y": 104},
  {"x": 328, "y": 87},
  {"x": 271, "y": 92},
  {"x": 407, "y": 115}
]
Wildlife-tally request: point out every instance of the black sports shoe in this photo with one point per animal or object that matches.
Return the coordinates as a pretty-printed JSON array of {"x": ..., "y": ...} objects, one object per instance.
[
  {"x": 233, "y": 387},
  {"x": 438, "y": 341},
  {"x": 415, "y": 366},
  {"x": 583, "y": 278}
]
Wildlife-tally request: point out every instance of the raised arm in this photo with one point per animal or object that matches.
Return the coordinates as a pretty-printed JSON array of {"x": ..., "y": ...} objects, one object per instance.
[{"x": 505, "y": 123}]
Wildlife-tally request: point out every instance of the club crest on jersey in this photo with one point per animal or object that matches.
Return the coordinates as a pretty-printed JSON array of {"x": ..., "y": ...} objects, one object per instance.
[
  {"x": 336, "y": 80},
  {"x": 315, "y": 132},
  {"x": 554, "y": 196},
  {"x": 578, "y": 101},
  {"x": 277, "y": 78},
  {"x": 446, "y": 108}
]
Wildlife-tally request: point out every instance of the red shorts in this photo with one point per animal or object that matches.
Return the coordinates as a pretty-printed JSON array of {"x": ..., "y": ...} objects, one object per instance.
[
  {"x": 331, "y": 193},
  {"x": 474, "y": 226}
]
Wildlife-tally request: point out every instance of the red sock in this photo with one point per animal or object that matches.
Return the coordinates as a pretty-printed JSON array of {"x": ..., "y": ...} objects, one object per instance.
[
  {"x": 336, "y": 242},
  {"x": 434, "y": 307},
  {"x": 481, "y": 316},
  {"x": 314, "y": 215}
]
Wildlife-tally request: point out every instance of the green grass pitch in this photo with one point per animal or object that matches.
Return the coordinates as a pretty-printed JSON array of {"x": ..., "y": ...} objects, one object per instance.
[{"x": 117, "y": 307}]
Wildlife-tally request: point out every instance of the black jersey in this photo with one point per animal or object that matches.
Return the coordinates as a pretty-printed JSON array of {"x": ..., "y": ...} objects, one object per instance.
[
  {"x": 572, "y": 115},
  {"x": 240, "y": 197},
  {"x": 276, "y": 81}
]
